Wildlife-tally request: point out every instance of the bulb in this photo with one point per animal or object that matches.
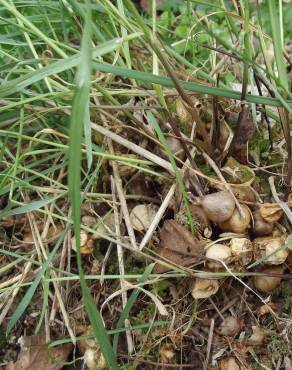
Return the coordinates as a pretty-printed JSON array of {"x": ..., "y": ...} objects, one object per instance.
[
  {"x": 204, "y": 288},
  {"x": 271, "y": 246},
  {"x": 244, "y": 193},
  {"x": 142, "y": 216},
  {"x": 175, "y": 147},
  {"x": 242, "y": 250},
  {"x": 94, "y": 359},
  {"x": 237, "y": 223},
  {"x": 266, "y": 284},
  {"x": 271, "y": 212},
  {"x": 219, "y": 206},
  {"x": 83, "y": 240},
  {"x": 261, "y": 227},
  {"x": 230, "y": 326},
  {"x": 218, "y": 252}
]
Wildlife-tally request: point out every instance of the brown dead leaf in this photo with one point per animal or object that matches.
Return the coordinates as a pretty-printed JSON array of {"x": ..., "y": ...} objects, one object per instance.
[
  {"x": 166, "y": 353},
  {"x": 271, "y": 212},
  {"x": 35, "y": 355},
  {"x": 179, "y": 246}
]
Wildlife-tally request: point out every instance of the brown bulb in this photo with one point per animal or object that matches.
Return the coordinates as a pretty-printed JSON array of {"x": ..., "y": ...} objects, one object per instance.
[
  {"x": 237, "y": 223},
  {"x": 218, "y": 206},
  {"x": 230, "y": 326},
  {"x": 218, "y": 252},
  {"x": 271, "y": 248},
  {"x": 244, "y": 193},
  {"x": 266, "y": 284},
  {"x": 261, "y": 227},
  {"x": 176, "y": 147}
]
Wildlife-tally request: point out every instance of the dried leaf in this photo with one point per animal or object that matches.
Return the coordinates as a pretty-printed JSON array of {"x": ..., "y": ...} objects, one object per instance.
[
  {"x": 179, "y": 246},
  {"x": 271, "y": 212},
  {"x": 244, "y": 131},
  {"x": 36, "y": 355},
  {"x": 166, "y": 353}
]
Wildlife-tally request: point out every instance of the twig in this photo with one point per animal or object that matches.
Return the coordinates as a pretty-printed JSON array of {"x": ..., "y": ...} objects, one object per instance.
[
  {"x": 145, "y": 153},
  {"x": 264, "y": 111},
  {"x": 284, "y": 118},
  {"x": 209, "y": 344},
  {"x": 39, "y": 246},
  {"x": 160, "y": 364},
  {"x": 105, "y": 259},
  {"x": 121, "y": 260},
  {"x": 216, "y": 308},
  {"x": 280, "y": 203},
  {"x": 15, "y": 291},
  {"x": 157, "y": 217},
  {"x": 119, "y": 187},
  {"x": 133, "y": 147}
]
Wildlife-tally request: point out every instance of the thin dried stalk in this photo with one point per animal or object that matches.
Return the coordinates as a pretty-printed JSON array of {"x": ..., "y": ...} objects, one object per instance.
[
  {"x": 157, "y": 217},
  {"x": 39, "y": 245},
  {"x": 124, "y": 207},
  {"x": 121, "y": 261},
  {"x": 14, "y": 293}
]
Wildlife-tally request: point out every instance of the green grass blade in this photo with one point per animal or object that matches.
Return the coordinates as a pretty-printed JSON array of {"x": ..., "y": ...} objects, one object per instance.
[
  {"x": 33, "y": 206},
  {"x": 78, "y": 117},
  {"x": 18, "y": 84},
  {"x": 191, "y": 86},
  {"x": 277, "y": 42},
  {"x": 110, "y": 332}
]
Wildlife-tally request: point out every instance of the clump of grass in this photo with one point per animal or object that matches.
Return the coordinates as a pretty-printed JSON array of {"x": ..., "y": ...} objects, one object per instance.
[{"x": 66, "y": 64}]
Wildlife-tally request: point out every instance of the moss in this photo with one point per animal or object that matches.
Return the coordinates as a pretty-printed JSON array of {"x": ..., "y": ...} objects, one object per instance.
[
  {"x": 240, "y": 173},
  {"x": 287, "y": 297},
  {"x": 3, "y": 341},
  {"x": 144, "y": 315},
  {"x": 160, "y": 289},
  {"x": 279, "y": 346}
]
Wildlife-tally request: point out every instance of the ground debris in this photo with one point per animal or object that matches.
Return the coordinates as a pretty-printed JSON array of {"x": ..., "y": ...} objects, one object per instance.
[
  {"x": 179, "y": 246},
  {"x": 35, "y": 355}
]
